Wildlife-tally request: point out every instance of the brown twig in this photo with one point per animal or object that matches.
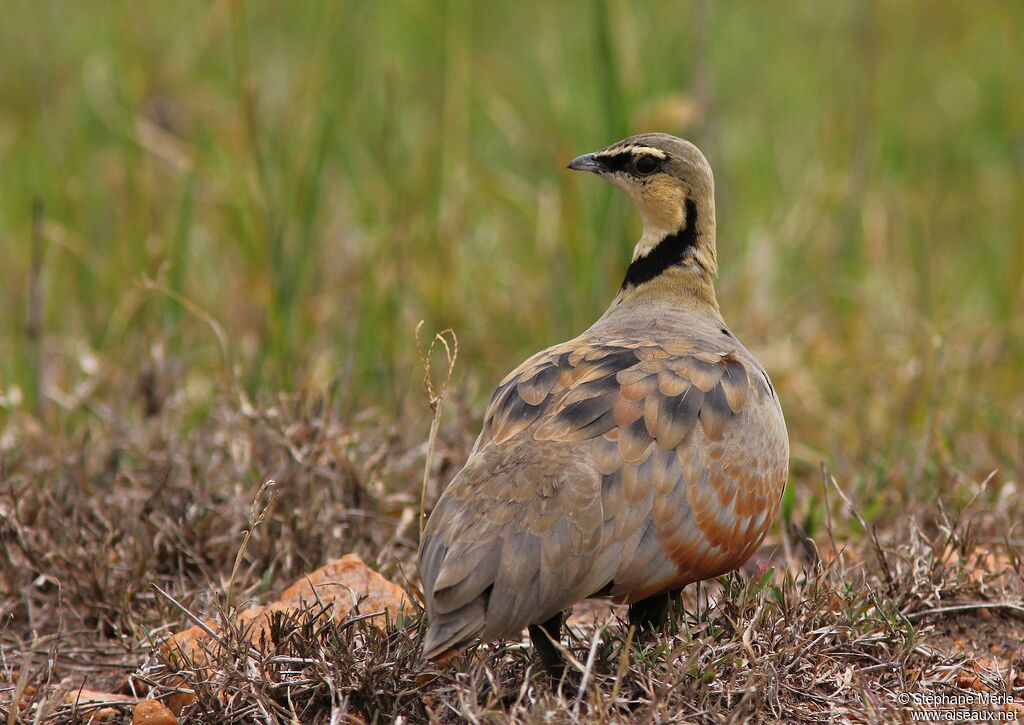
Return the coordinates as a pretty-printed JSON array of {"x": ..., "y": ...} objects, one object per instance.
[
  {"x": 194, "y": 618},
  {"x": 967, "y": 607}
]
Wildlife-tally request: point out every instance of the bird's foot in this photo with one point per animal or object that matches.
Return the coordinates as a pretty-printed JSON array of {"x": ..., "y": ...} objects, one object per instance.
[{"x": 544, "y": 636}]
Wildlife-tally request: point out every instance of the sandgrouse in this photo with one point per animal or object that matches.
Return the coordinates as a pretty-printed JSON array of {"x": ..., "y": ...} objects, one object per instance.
[{"x": 647, "y": 453}]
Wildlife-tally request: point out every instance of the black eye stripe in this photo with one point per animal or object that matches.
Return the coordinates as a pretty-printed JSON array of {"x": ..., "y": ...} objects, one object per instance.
[
  {"x": 617, "y": 162},
  {"x": 630, "y": 162}
]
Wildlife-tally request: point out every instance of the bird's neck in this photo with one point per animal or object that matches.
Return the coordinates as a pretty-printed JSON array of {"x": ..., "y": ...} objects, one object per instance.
[{"x": 675, "y": 267}]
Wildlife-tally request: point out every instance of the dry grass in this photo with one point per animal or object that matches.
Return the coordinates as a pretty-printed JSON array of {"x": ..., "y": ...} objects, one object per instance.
[{"x": 90, "y": 520}]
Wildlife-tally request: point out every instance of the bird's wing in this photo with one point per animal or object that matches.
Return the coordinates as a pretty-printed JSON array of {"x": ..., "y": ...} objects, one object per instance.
[
  {"x": 603, "y": 462},
  {"x": 643, "y": 390},
  {"x": 510, "y": 543}
]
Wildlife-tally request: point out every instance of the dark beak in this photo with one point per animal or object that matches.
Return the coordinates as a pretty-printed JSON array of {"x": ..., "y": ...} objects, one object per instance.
[{"x": 587, "y": 162}]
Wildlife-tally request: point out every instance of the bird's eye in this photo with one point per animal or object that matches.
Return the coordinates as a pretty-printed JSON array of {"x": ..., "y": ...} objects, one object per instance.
[{"x": 646, "y": 165}]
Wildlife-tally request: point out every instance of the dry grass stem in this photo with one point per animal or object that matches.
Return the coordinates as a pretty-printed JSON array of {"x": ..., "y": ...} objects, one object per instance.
[
  {"x": 435, "y": 399},
  {"x": 256, "y": 517}
]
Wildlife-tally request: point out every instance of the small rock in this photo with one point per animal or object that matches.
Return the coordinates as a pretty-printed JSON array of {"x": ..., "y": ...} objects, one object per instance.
[
  {"x": 340, "y": 585},
  {"x": 178, "y": 701},
  {"x": 188, "y": 642},
  {"x": 90, "y": 703},
  {"x": 152, "y": 712},
  {"x": 344, "y": 583}
]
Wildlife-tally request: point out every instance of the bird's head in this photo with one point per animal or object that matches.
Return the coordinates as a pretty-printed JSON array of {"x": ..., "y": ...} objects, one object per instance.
[
  {"x": 659, "y": 173},
  {"x": 671, "y": 184}
]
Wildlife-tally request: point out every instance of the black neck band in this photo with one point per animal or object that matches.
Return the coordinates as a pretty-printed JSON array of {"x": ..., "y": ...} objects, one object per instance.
[{"x": 669, "y": 252}]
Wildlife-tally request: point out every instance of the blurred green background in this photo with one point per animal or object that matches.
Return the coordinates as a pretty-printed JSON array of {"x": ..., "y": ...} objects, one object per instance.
[{"x": 312, "y": 179}]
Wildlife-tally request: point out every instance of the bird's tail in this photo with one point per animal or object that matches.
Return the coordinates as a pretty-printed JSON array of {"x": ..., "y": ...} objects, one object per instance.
[{"x": 450, "y": 632}]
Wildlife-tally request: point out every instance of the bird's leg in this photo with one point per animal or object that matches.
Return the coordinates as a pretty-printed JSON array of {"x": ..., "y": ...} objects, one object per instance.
[
  {"x": 544, "y": 637},
  {"x": 649, "y": 614}
]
